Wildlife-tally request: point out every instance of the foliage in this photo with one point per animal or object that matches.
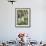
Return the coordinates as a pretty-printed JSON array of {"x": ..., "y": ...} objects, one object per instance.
[{"x": 22, "y": 17}]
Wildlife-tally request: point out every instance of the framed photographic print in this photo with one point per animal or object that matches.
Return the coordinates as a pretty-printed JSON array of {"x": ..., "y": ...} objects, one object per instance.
[{"x": 22, "y": 17}]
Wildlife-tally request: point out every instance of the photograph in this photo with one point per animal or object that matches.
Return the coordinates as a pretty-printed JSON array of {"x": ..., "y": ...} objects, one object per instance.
[{"x": 22, "y": 16}]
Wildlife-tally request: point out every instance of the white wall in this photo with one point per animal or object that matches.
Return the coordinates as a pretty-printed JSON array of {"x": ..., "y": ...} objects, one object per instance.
[{"x": 8, "y": 31}]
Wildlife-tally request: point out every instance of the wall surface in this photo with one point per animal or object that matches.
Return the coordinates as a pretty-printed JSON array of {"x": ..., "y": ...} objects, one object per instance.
[{"x": 37, "y": 31}]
